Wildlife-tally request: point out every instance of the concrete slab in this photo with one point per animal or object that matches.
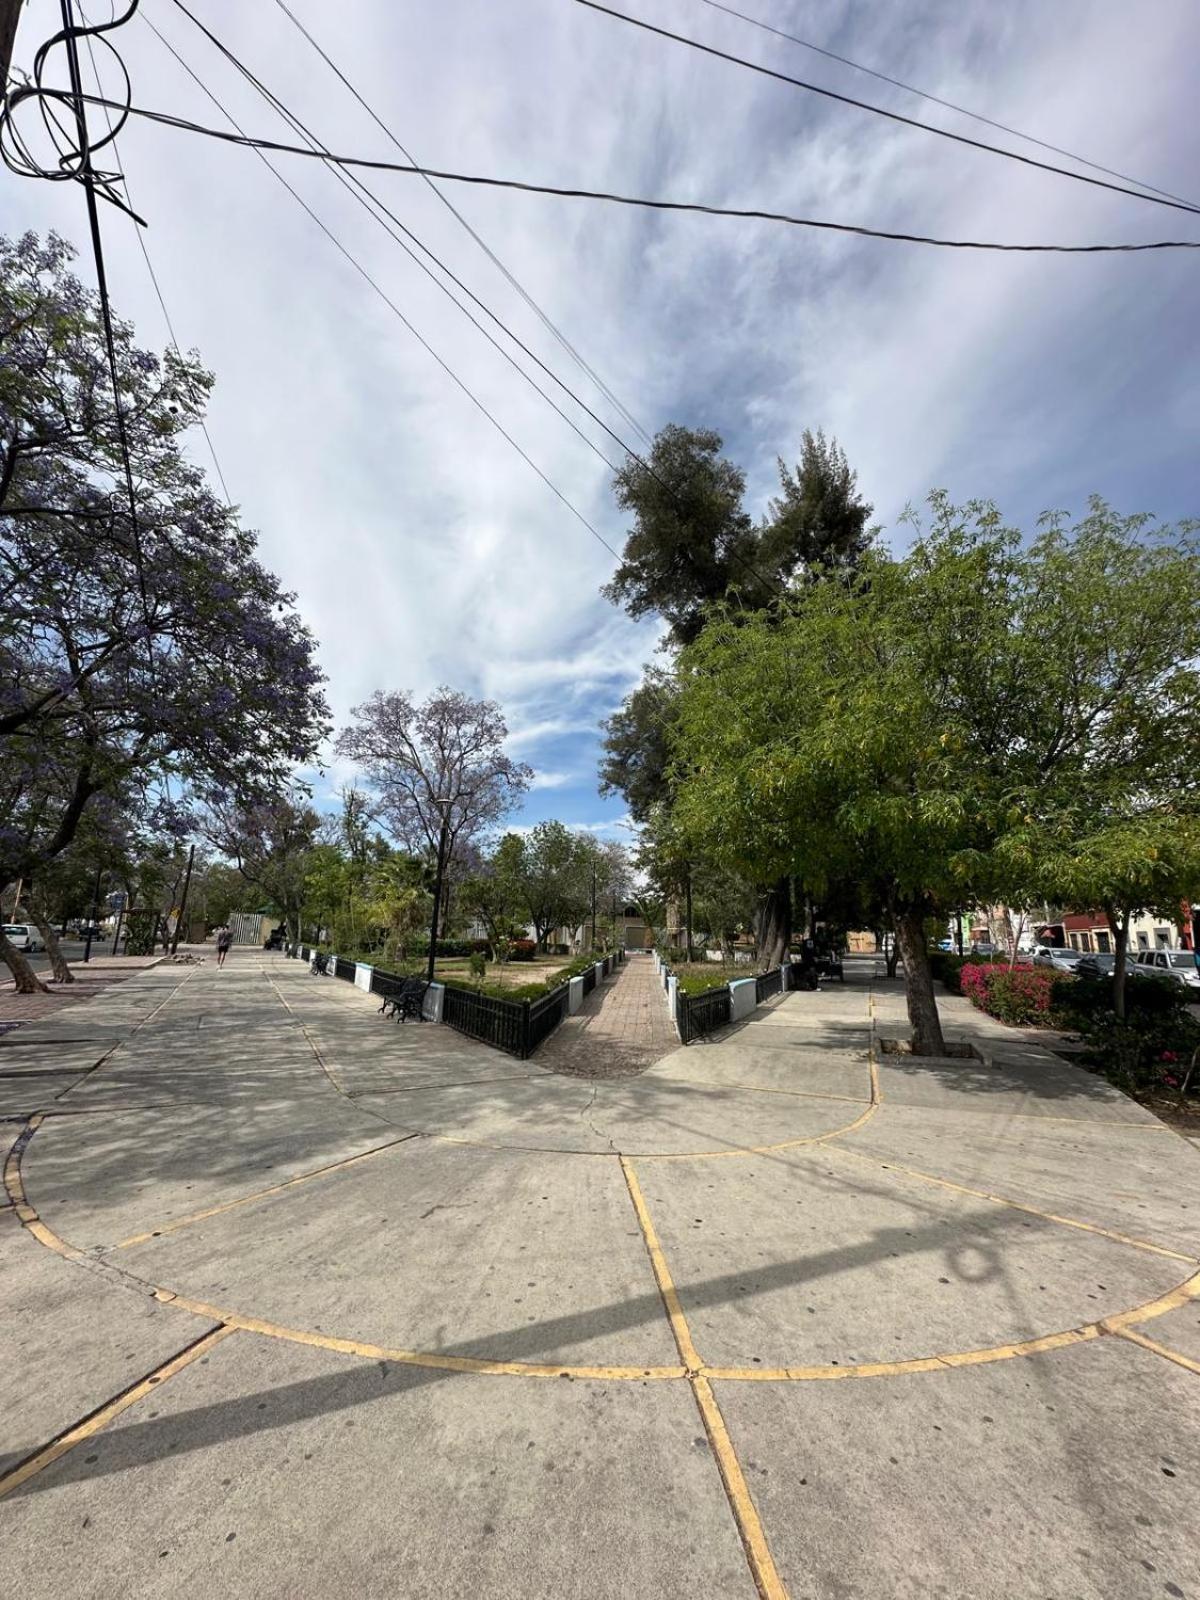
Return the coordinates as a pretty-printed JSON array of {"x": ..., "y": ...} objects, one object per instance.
[
  {"x": 27, "y": 1092},
  {"x": 795, "y": 1260},
  {"x": 493, "y": 1254},
  {"x": 1140, "y": 1180},
  {"x": 1018, "y": 1481},
  {"x": 654, "y": 1115},
  {"x": 1047, "y": 1087},
  {"x": 97, "y": 1179},
  {"x": 275, "y": 1470},
  {"x": 758, "y": 1066},
  {"x": 71, "y": 1339}
]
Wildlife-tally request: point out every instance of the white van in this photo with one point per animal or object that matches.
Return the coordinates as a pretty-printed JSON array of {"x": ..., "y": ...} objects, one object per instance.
[{"x": 23, "y": 936}]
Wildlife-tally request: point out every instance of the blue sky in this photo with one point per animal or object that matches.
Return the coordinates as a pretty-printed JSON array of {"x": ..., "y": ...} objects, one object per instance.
[{"x": 423, "y": 549}]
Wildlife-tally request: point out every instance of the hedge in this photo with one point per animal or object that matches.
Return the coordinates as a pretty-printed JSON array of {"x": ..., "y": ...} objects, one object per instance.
[{"x": 1012, "y": 994}]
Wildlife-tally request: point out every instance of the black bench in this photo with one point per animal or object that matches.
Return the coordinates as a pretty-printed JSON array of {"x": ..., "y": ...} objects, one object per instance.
[
  {"x": 406, "y": 1000},
  {"x": 831, "y": 967}
]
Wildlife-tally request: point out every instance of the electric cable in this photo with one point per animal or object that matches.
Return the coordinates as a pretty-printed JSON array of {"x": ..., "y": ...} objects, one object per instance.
[
  {"x": 546, "y": 321},
  {"x": 366, "y": 163},
  {"x": 372, "y": 204},
  {"x": 296, "y": 123},
  {"x": 392, "y": 306},
  {"x": 947, "y": 105},
  {"x": 882, "y": 111}
]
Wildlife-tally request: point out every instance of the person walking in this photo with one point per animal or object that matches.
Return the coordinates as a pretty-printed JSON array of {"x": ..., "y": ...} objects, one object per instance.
[{"x": 224, "y": 940}]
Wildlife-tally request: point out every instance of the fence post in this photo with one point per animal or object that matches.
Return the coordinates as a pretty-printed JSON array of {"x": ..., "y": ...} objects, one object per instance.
[{"x": 524, "y": 1030}]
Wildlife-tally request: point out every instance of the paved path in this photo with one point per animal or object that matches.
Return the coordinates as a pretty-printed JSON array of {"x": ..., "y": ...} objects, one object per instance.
[
  {"x": 297, "y": 1302},
  {"x": 621, "y": 1028}
]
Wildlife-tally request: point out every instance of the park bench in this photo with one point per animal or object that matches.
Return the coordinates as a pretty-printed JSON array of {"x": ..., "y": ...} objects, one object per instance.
[
  {"x": 406, "y": 1000},
  {"x": 831, "y": 967}
]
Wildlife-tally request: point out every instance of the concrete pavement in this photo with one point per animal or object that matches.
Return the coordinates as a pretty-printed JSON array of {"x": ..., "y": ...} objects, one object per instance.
[{"x": 300, "y": 1302}]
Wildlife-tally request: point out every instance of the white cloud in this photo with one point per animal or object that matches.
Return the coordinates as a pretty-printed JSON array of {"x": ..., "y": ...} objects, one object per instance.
[{"x": 423, "y": 548}]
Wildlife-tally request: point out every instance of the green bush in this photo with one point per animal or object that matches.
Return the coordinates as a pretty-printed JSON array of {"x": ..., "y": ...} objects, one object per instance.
[{"x": 702, "y": 982}]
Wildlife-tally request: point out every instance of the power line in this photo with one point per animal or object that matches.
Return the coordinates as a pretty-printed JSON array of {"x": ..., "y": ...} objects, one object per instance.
[
  {"x": 392, "y": 306},
  {"x": 184, "y": 125},
  {"x": 947, "y": 105},
  {"x": 320, "y": 149},
  {"x": 212, "y": 449},
  {"x": 542, "y": 316},
  {"x": 373, "y": 205},
  {"x": 880, "y": 111}
]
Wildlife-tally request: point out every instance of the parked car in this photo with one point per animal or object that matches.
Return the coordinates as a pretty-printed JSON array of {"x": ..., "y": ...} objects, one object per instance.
[
  {"x": 984, "y": 947},
  {"x": 1096, "y": 964},
  {"x": 1178, "y": 965},
  {"x": 1057, "y": 956},
  {"x": 23, "y": 936}
]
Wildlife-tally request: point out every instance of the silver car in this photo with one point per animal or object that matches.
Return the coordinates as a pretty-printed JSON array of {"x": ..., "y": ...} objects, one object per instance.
[
  {"x": 1056, "y": 956},
  {"x": 1179, "y": 965},
  {"x": 23, "y": 936}
]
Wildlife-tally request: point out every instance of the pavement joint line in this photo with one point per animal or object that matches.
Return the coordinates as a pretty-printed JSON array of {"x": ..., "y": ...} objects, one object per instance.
[
  {"x": 1019, "y": 1205},
  {"x": 745, "y": 1514},
  {"x": 1153, "y": 1345},
  {"x": 461, "y": 1083},
  {"x": 104, "y": 1060},
  {"x": 261, "y": 1194},
  {"x": 99, "y": 1419}
]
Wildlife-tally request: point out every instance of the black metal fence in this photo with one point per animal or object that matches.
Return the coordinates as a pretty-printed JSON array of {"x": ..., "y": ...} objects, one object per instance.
[
  {"x": 516, "y": 1026},
  {"x": 767, "y": 984},
  {"x": 698, "y": 1014}
]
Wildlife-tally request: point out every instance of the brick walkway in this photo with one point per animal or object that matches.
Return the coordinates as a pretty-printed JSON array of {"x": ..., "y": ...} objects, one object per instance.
[
  {"x": 90, "y": 980},
  {"x": 622, "y": 1028}
]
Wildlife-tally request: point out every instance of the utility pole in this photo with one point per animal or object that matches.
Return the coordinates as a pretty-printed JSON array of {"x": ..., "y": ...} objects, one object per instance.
[{"x": 10, "y": 11}]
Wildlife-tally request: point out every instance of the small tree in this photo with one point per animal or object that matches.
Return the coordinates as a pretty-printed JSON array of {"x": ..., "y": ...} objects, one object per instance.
[
  {"x": 438, "y": 771},
  {"x": 271, "y": 846}
]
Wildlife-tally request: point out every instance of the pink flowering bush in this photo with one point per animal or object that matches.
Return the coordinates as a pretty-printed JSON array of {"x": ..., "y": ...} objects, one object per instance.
[{"x": 1014, "y": 995}]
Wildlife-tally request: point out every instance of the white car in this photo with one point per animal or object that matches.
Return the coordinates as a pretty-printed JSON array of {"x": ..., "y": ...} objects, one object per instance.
[
  {"x": 23, "y": 936},
  {"x": 1179, "y": 965},
  {"x": 1052, "y": 955}
]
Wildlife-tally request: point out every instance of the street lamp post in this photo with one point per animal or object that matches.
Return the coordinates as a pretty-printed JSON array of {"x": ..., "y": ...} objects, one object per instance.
[{"x": 441, "y": 803}]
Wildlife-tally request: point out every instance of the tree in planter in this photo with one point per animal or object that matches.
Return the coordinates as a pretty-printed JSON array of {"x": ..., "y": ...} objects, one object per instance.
[
  {"x": 438, "y": 771},
  {"x": 131, "y": 651},
  {"x": 495, "y": 892}
]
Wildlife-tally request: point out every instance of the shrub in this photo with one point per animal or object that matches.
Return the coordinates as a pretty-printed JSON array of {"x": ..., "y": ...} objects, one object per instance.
[
  {"x": 523, "y": 949},
  {"x": 1014, "y": 995},
  {"x": 477, "y": 962}
]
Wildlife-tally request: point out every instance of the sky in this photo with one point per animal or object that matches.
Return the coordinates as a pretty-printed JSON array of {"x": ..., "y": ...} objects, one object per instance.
[{"x": 423, "y": 549}]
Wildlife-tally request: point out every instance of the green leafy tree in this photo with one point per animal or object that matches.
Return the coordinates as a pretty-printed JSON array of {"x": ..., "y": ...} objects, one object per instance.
[
  {"x": 556, "y": 878},
  {"x": 271, "y": 845},
  {"x": 908, "y": 729}
]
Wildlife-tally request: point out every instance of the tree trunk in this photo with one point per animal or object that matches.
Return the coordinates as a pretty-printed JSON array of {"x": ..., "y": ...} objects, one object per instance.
[
  {"x": 58, "y": 962},
  {"x": 687, "y": 893},
  {"x": 1118, "y": 921},
  {"x": 918, "y": 986},
  {"x": 25, "y": 978},
  {"x": 775, "y": 925}
]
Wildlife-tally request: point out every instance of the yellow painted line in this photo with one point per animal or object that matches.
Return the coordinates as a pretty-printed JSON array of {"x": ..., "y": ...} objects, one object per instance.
[
  {"x": 1173, "y": 1300},
  {"x": 100, "y": 1419},
  {"x": 754, "y": 1541},
  {"x": 662, "y": 1273},
  {"x": 757, "y": 1149},
  {"x": 1017, "y": 1205},
  {"x": 414, "y": 1358},
  {"x": 261, "y": 1194},
  {"x": 1176, "y": 1356}
]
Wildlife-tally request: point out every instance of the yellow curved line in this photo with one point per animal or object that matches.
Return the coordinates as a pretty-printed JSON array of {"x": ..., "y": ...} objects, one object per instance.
[
  {"x": 1153, "y": 1345},
  {"x": 414, "y": 1358}
]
